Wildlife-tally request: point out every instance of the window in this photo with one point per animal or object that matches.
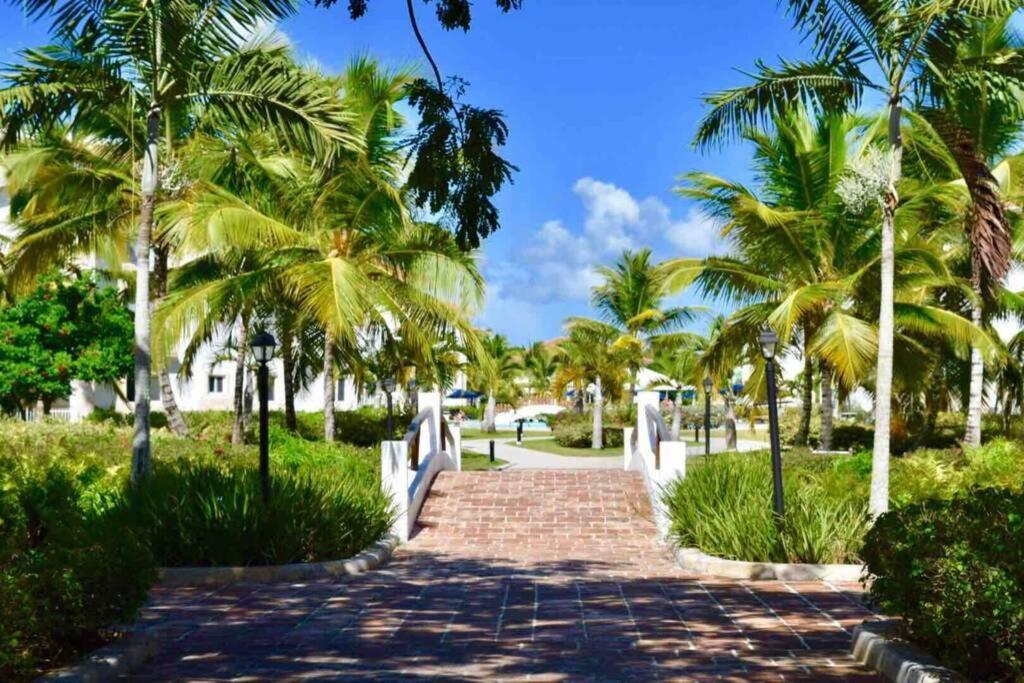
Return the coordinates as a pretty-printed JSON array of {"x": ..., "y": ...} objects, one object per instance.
[
  {"x": 339, "y": 391},
  {"x": 271, "y": 384},
  {"x": 215, "y": 384}
]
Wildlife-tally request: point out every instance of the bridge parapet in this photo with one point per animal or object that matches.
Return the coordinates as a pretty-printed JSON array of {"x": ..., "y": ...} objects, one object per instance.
[
  {"x": 649, "y": 449},
  {"x": 409, "y": 466}
]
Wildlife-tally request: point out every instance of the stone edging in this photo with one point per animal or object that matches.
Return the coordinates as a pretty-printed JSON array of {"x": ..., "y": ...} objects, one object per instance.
[
  {"x": 874, "y": 646},
  {"x": 135, "y": 648},
  {"x": 694, "y": 560},
  {"x": 371, "y": 558},
  {"x": 111, "y": 662}
]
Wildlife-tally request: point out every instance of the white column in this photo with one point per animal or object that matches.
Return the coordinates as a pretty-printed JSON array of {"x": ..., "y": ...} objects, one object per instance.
[
  {"x": 394, "y": 482},
  {"x": 627, "y": 448},
  {"x": 643, "y": 425},
  {"x": 430, "y": 434},
  {"x": 455, "y": 445}
]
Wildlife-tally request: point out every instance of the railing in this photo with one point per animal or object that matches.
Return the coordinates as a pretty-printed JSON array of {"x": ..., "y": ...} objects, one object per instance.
[
  {"x": 409, "y": 466},
  {"x": 650, "y": 450}
]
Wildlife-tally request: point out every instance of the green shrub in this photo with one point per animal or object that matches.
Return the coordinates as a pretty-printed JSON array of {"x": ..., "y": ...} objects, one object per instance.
[
  {"x": 67, "y": 570},
  {"x": 575, "y": 430},
  {"x": 205, "y": 513},
  {"x": 954, "y": 571},
  {"x": 724, "y": 507}
]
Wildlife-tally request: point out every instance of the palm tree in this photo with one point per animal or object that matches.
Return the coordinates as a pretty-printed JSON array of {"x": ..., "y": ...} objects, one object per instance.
[
  {"x": 494, "y": 371},
  {"x": 632, "y": 300},
  {"x": 853, "y": 41},
  {"x": 143, "y": 75},
  {"x": 591, "y": 355},
  {"x": 677, "y": 360},
  {"x": 539, "y": 366},
  {"x": 979, "y": 120}
]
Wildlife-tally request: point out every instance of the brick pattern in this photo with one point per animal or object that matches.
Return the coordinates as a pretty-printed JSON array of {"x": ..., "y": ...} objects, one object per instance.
[{"x": 522, "y": 575}]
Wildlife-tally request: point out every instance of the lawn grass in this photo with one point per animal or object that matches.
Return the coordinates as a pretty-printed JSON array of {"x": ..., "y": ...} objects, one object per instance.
[
  {"x": 475, "y": 462},
  {"x": 551, "y": 446},
  {"x": 500, "y": 434}
]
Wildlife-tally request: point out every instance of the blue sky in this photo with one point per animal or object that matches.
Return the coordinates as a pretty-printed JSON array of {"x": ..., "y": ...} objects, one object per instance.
[{"x": 602, "y": 98}]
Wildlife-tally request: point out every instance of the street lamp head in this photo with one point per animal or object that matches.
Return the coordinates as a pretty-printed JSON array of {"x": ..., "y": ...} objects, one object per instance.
[
  {"x": 768, "y": 341},
  {"x": 263, "y": 345},
  {"x": 708, "y": 384},
  {"x": 390, "y": 385}
]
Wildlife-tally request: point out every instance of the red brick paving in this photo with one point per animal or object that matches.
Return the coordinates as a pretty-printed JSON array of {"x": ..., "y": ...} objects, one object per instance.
[{"x": 522, "y": 575}]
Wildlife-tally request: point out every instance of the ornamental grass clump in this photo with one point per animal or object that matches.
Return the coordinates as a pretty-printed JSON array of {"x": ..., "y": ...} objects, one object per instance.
[
  {"x": 209, "y": 514},
  {"x": 724, "y": 507}
]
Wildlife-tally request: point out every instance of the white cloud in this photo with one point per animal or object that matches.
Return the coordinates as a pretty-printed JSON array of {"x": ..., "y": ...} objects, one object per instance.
[
  {"x": 558, "y": 263},
  {"x": 695, "y": 235}
]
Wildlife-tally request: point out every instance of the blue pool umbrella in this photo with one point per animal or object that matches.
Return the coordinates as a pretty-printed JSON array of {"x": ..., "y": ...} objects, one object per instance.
[{"x": 465, "y": 393}]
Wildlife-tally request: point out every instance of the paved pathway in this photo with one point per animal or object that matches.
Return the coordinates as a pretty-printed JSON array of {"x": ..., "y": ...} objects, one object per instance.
[
  {"x": 521, "y": 575},
  {"x": 526, "y": 458}
]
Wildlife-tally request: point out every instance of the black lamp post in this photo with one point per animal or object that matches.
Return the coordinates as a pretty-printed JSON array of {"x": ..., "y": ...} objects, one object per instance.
[
  {"x": 263, "y": 349},
  {"x": 389, "y": 387},
  {"x": 707, "y": 415},
  {"x": 768, "y": 340}
]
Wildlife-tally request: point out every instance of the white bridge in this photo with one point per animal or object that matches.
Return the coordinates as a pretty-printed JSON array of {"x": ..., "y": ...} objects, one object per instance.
[{"x": 432, "y": 444}]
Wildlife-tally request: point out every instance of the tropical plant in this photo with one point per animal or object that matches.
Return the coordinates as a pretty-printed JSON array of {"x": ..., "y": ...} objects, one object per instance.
[
  {"x": 143, "y": 76},
  {"x": 677, "y": 361},
  {"x": 592, "y": 357},
  {"x": 979, "y": 119},
  {"x": 853, "y": 42},
  {"x": 495, "y": 373},
  {"x": 631, "y": 300}
]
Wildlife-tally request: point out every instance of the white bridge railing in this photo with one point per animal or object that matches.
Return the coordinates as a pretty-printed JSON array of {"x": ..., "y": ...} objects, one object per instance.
[
  {"x": 408, "y": 466},
  {"x": 648, "y": 449}
]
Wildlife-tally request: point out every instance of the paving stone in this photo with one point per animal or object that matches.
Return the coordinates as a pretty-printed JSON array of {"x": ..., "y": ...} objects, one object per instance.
[{"x": 521, "y": 575}]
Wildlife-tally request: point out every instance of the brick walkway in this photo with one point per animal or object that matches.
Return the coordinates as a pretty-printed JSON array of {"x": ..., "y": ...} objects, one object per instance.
[{"x": 524, "y": 575}]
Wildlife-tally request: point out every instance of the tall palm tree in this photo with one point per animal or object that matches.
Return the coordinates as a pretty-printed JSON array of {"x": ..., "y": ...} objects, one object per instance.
[
  {"x": 631, "y": 299},
  {"x": 853, "y": 41},
  {"x": 979, "y": 124},
  {"x": 143, "y": 75}
]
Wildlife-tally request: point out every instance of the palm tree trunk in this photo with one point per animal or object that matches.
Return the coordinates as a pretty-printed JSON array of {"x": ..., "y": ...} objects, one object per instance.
[
  {"x": 879, "y": 502},
  {"x": 807, "y": 398},
  {"x": 730, "y": 423},
  {"x": 329, "y": 388},
  {"x": 597, "y": 433},
  {"x": 290, "y": 422},
  {"x": 142, "y": 454},
  {"x": 238, "y": 428},
  {"x": 827, "y": 406},
  {"x": 677, "y": 415},
  {"x": 489, "y": 425},
  {"x": 175, "y": 419},
  {"x": 974, "y": 403},
  {"x": 247, "y": 400}
]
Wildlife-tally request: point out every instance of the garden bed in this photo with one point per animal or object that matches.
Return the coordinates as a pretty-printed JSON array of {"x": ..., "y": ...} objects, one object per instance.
[{"x": 79, "y": 548}]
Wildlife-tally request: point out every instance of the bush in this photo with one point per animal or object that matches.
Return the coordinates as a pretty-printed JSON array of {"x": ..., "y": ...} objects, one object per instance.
[
  {"x": 67, "y": 570},
  {"x": 723, "y": 504},
  {"x": 724, "y": 507},
  {"x": 203, "y": 513},
  {"x": 954, "y": 571},
  {"x": 575, "y": 430}
]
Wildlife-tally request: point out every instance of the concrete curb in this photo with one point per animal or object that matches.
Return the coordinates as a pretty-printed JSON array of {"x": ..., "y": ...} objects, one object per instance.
[
  {"x": 874, "y": 646},
  {"x": 135, "y": 648},
  {"x": 371, "y": 558},
  {"x": 110, "y": 662},
  {"x": 694, "y": 560}
]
